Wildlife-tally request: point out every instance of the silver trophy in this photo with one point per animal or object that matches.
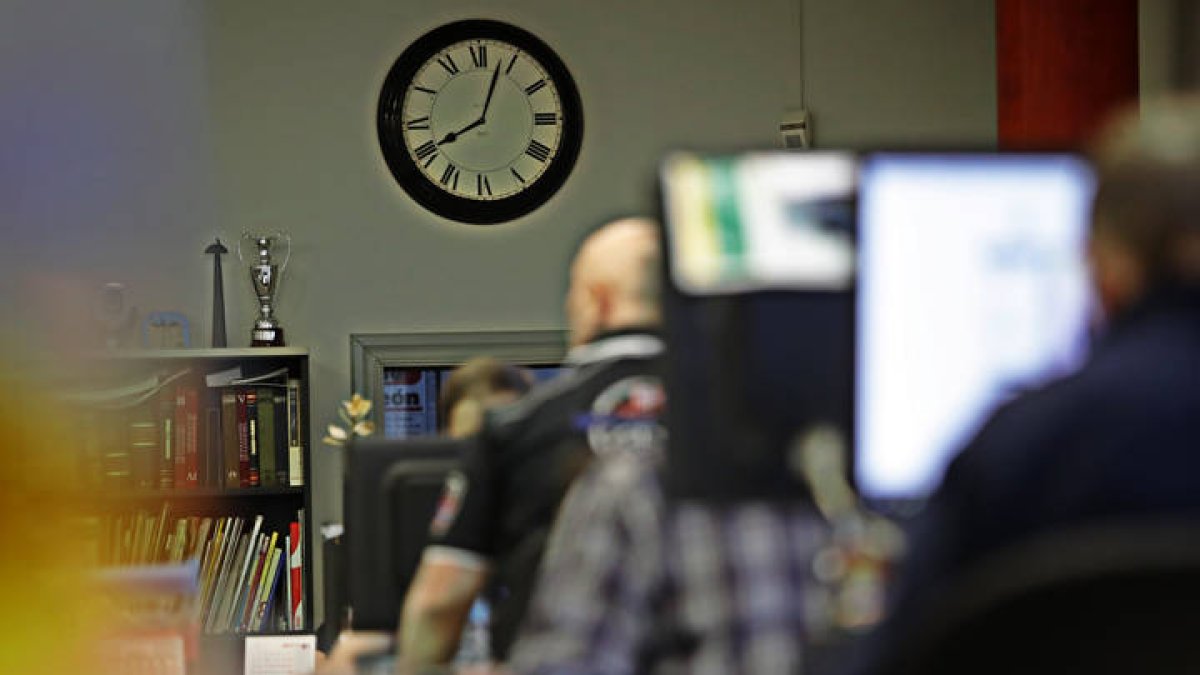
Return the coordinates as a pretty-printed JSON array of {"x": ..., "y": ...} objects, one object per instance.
[{"x": 264, "y": 275}]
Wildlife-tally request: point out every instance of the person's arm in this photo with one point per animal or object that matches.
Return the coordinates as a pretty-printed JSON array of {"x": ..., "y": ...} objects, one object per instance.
[
  {"x": 438, "y": 602},
  {"x": 454, "y": 566}
]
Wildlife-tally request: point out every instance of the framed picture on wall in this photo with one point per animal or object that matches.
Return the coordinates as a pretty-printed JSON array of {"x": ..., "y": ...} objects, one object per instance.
[{"x": 404, "y": 372}]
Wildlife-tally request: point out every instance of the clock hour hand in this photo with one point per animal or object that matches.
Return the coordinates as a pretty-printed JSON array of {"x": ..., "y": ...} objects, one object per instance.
[{"x": 453, "y": 135}]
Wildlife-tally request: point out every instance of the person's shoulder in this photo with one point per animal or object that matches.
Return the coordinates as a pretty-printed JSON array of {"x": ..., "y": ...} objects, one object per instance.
[
  {"x": 532, "y": 408},
  {"x": 578, "y": 384},
  {"x": 1027, "y": 429}
]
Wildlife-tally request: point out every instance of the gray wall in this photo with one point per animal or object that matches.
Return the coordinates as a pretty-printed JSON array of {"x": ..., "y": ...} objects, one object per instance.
[
  {"x": 105, "y": 162},
  {"x": 150, "y": 126}
]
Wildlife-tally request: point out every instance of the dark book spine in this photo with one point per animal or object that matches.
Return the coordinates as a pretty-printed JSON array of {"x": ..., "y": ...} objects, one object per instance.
[
  {"x": 166, "y": 434},
  {"x": 252, "y": 437},
  {"x": 243, "y": 440},
  {"x": 115, "y": 460},
  {"x": 143, "y": 446},
  {"x": 279, "y": 397},
  {"x": 229, "y": 438},
  {"x": 294, "y": 435},
  {"x": 180, "y": 464},
  {"x": 265, "y": 411},
  {"x": 210, "y": 467},
  {"x": 191, "y": 437}
]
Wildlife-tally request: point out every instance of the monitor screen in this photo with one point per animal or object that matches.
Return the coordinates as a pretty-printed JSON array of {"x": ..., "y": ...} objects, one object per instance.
[{"x": 972, "y": 286}]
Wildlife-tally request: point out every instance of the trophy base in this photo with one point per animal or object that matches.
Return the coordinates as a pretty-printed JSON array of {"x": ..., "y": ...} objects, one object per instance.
[{"x": 266, "y": 337}]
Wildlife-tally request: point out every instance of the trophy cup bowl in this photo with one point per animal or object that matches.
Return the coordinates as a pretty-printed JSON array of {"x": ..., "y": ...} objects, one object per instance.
[{"x": 264, "y": 277}]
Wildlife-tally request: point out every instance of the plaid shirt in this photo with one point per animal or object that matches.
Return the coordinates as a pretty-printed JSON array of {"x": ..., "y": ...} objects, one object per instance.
[{"x": 631, "y": 583}]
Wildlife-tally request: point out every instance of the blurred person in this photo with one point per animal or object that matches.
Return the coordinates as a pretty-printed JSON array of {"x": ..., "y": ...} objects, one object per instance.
[
  {"x": 475, "y": 386},
  {"x": 497, "y": 513},
  {"x": 1118, "y": 438}
]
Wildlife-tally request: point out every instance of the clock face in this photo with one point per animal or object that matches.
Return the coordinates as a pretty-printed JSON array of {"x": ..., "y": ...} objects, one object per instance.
[{"x": 479, "y": 121}]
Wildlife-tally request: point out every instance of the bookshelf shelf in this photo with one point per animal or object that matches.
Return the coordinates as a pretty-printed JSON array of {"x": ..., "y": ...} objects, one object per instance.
[
  {"x": 203, "y": 494},
  {"x": 231, "y": 353}
]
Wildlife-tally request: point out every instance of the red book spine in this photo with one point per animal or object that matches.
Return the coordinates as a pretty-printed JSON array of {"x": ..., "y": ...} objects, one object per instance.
[
  {"x": 191, "y": 438},
  {"x": 243, "y": 433},
  {"x": 295, "y": 560}
]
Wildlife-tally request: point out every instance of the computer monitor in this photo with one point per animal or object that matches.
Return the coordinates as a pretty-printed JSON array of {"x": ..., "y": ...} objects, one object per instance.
[
  {"x": 758, "y": 313},
  {"x": 972, "y": 286},
  {"x": 392, "y": 488}
]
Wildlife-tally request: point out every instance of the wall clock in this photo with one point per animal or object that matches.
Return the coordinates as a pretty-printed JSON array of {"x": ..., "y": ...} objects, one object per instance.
[{"x": 479, "y": 121}]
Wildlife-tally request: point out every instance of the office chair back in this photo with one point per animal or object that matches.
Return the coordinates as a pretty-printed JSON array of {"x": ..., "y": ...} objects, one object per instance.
[{"x": 1119, "y": 598}]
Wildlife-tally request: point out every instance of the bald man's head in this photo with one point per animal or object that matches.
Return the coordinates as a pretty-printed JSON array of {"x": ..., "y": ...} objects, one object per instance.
[{"x": 614, "y": 280}]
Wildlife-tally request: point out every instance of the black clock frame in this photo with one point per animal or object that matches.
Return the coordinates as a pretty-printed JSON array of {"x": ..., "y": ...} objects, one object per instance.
[{"x": 390, "y": 124}]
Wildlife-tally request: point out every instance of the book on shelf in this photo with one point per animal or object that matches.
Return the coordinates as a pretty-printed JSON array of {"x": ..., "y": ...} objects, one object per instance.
[
  {"x": 231, "y": 539},
  {"x": 210, "y": 470},
  {"x": 246, "y": 584},
  {"x": 243, "y": 438},
  {"x": 252, "y": 440},
  {"x": 227, "y": 584},
  {"x": 254, "y": 584},
  {"x": 295, "y": 434},
  {"x": 142, "y": 437},
  {"x": 281, "y": 444},
  {"x": 259, "y": 617},
  {"x": 296, "y": 569},
  {"x": 167, "y": 433},
  {"x": 287, "y": 580},
  {"x": 229, "y": 436},
  {"x": 265, "y": 412},
  {"x": 191, "y": 437},
  {"x": 241, "y": 567}
]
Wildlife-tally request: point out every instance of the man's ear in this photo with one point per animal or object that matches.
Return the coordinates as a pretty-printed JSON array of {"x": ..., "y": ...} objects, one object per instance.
[{"x": 602, "y": 298}]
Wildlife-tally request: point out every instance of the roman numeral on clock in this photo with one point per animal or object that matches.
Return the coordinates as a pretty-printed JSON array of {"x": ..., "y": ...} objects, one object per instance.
[
  {"x": 448, "y": 63},
  {"x": 538, "y": 151},
  {"x": 449, "y": 176},
  {"x": 535, "y": 87},
  {"x": 517, "y": 175},
  {"x": 420, "y": 123},
  {"x": 426, "y": 149},
  {"x": 479, "y": 56},
  {"x": 482, "y": 185},
  {"x": 511, "y": 62},
  {"x": 545, "y": 118}
]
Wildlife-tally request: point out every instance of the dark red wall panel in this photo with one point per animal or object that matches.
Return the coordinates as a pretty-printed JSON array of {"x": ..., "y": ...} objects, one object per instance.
[{"x": 1062, "y": 65}]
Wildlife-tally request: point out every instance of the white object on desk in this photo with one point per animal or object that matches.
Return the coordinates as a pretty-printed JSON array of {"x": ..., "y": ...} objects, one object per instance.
[{"x": 280, "y": 654}]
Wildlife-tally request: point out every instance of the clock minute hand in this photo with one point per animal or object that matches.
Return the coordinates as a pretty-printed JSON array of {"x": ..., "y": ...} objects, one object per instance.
[{"x": 491, "y": 90}]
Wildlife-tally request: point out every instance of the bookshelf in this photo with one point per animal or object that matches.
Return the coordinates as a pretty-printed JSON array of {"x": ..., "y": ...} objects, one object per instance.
[{"x": 183, "y": 453}]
